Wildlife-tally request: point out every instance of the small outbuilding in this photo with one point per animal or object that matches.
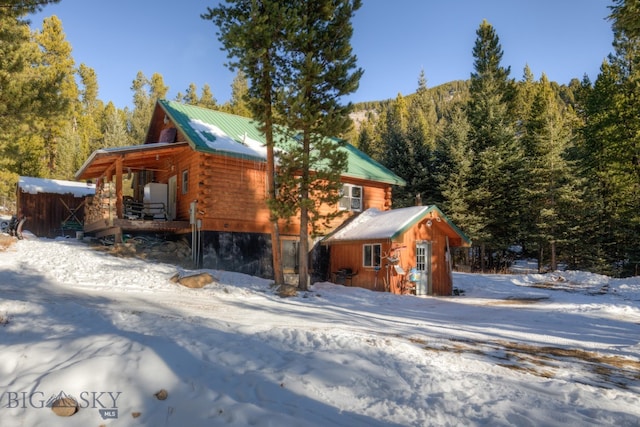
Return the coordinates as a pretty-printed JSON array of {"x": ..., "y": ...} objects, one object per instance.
[
  {"x": 52, "y": 207},
  {"x": 403, "y": 251}
]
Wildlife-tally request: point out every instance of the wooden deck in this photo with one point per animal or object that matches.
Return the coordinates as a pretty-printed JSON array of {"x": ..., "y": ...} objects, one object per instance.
[{"x": 116, "y": 226}]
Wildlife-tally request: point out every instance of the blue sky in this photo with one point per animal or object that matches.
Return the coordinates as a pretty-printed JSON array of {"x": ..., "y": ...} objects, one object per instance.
[{"x": 393, "y": 41}]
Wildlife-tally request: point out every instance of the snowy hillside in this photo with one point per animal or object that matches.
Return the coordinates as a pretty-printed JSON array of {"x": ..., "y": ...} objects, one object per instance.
[{"x": 553, "y": 350}]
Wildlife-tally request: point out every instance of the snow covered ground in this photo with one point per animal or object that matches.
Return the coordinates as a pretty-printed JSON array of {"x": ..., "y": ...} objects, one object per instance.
[{"x": 527, "y": 350}]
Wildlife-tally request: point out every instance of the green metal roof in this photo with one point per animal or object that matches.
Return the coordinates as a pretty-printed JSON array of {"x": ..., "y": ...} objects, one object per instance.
[{"x": 217, "y": 132}]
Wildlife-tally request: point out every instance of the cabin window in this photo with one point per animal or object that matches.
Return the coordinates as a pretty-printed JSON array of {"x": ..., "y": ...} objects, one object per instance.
[
  {"x": 371, "y": 255},
  {"x": 185, "y": 181},
  {"x": 351, "y": 199}
]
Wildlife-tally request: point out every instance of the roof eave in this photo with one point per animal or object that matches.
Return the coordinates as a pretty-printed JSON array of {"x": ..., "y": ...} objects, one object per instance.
[
  {"x": 86, "y": 164},
  {"x": 454, "y": 227},
  {"x": 400, "y": 182}
]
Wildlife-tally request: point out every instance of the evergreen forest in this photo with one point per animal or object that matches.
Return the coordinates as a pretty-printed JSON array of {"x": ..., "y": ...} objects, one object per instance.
[{"x": 523, "y": 165}]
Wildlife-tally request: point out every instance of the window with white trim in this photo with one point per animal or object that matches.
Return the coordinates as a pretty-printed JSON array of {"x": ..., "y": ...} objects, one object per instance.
[
  {"x": 371, "y": 254},
  {"x": 351, "y": 199},
  {"x": 185, "y": 181}
]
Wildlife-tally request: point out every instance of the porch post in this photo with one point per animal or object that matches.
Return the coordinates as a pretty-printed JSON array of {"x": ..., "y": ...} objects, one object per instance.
[{"x": 119, "y": 204}]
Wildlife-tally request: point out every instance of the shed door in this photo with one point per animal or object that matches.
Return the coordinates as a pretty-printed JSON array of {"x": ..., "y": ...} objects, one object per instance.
[{"x": 423, "y": 268}]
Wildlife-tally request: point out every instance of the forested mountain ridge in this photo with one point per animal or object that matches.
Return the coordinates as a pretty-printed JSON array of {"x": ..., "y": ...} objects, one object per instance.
[
  {"x": 427, "y": 138},
  {"x": 551, "y": 169},
  {"x": 441, "y": 93}
]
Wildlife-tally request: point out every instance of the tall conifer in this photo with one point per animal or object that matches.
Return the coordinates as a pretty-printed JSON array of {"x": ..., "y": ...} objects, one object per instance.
[
  {"x": 494, "y": 184},
  {"x": 550, "y": 193},
  {"x": 323, "y": 70},
  {"x": 251, "y": 31}
]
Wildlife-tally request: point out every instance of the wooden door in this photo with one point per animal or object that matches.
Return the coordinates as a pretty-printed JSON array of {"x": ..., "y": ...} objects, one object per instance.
[{"x": 424, "y": 284}]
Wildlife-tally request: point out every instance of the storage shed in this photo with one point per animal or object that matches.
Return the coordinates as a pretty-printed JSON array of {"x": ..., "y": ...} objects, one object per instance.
[
  {"x": 52, "y": 207},
  {"x": 403, "y": 251}
]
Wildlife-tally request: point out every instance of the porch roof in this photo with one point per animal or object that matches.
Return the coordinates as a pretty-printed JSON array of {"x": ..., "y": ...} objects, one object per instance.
[{"x": 135, "y": 158}]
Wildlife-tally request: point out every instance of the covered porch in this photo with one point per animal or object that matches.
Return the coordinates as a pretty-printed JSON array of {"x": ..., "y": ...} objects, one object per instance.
[{"x": 148, "y": 204}]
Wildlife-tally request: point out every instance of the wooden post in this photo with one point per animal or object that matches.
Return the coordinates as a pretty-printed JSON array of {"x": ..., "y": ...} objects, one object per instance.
[{"x": 119, "y": 203}]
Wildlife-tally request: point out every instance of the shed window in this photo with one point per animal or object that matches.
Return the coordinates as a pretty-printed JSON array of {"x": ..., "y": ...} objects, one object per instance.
[
  {"x": 185, "y": 181},
  {"x": 371, "y": 255},
  {"x": 351, "y": 198}
]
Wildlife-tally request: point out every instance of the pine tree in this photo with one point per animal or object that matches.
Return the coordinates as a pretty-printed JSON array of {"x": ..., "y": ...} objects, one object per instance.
[
  {"x": 19, "y": 94},
  {"x": 239, "y": 95},
  {"x": 421, "y": 136},
  {"x": 114, "y": 128},
  {"x": 611, "y": 150},
  {"x": 365, "y": 138},
  {"x": 90, "y": 115},
  {"x": 191, "y": 95},
  {"x": 525, "y": 92},
  {"x": 423, "y": 107},
  {"x": 398, "y": 155},
  {"x": 58, "y": 69},
  {"x": 145, "y": 94},
  {"x": 378, "y": 126},
  {"x": 625, "y": 15},
  {"x": 594, "y": 154},
  {"x": 550, "y": 193},
  {"x": 454, "y": 159},
  {"x": 252, "y": 32},
  {"x": 494, "y": 185},
  {"x": 207, "y": 99},
  {"x": 140, "y": 116},
  {"x": 323, "y": 70}
]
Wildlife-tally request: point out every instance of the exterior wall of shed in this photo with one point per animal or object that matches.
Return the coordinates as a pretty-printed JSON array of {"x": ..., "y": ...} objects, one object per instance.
[
  {"x": 45, "y": 212},
  {"x": 437, "y": 235},
  {"x": 350, "y": 255}
]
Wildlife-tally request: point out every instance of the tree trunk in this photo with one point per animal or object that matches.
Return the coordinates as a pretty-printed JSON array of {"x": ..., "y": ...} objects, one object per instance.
[
  {"x": 540, "y": 258},
  {"x": 303, "y": 269},
  {"x": 276, "y": 251},
  {"x": 554, "y": 262},
  {"x": 303, "y": 261}
]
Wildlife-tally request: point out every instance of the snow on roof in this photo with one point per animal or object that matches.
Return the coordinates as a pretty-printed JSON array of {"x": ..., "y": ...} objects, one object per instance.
[
  {"x": 217, "y": 140},
  {"x": 376, "y": 224},
  {"x": 40, "y": 185}
]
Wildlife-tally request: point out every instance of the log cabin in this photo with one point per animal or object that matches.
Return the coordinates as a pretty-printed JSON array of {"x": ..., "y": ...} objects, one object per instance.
[
  {"x": 403, "y": 251},
  {"x": 201, "y": 174}
]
